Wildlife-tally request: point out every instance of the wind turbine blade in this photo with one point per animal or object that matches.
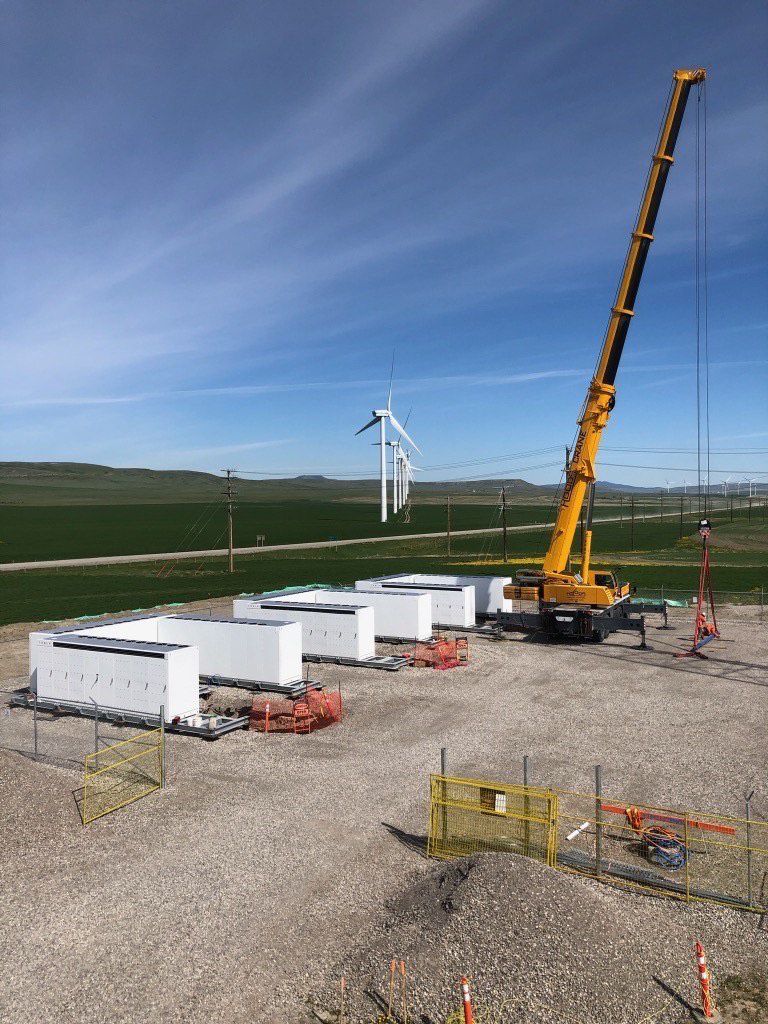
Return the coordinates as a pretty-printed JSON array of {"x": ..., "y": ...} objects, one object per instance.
[
  {"x": 372, "y": 423},
  {"x": 391, "y": 375},
  {"x": 401, "y": 430},
  {"x": 406, "y": 422}
]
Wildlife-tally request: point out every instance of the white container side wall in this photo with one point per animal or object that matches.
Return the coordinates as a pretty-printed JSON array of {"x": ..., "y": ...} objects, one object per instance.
[
  {"x": 451, "y": 606},
  {"x": 252, "y": 651},
  {"x": 489, "y": 590},
  {"x": 347, "y": 633},
  {"x": 183, "y": 683},
  {"x": 399, "y": 614},
  {"x": 134, "y": 681},
  {"x": 289, "y": 653},
  {"x": 145, "y": 629}
]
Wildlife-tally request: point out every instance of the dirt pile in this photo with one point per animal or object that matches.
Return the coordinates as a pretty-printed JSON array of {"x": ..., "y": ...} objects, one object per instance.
[{"x": 539, "y": 944}]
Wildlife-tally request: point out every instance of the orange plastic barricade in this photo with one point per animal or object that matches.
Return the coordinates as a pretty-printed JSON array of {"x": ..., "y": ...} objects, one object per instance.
[{"x": 316, "y": 709}]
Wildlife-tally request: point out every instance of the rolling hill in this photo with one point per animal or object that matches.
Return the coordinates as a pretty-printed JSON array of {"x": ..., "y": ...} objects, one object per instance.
[{"x": 76, "y": 483}]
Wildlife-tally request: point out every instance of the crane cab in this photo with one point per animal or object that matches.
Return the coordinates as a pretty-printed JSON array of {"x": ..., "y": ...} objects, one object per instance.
[{"x": 599, "y": 590}]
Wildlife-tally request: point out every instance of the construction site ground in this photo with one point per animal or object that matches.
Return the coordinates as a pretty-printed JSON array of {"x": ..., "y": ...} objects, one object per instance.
[{"x": 271, "y": 865}]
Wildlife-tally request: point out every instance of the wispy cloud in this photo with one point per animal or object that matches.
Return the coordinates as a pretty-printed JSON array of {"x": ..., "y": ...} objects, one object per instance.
[
  {"x": 255, "y": 201},
  {"x": 406, "y": 385},
  {"x": 174, "y": 454}
]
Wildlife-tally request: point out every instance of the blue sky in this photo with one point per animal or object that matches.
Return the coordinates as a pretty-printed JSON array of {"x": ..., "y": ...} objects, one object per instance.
[{"x": 221, "y": 218}]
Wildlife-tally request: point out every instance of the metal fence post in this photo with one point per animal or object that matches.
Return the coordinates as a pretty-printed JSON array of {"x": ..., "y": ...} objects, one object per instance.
[
  {"x": 162, "y": 746},
  {"x": 95, "y": 727},
  {"x": 748, "y": 816},
  {"x": 444, "y": 793},
  {"x": 598, "y": 819},
  {"x": 526, "y": 810},
  {"x": 687, "y": 859},
  {"x": 34, "y": 723}
]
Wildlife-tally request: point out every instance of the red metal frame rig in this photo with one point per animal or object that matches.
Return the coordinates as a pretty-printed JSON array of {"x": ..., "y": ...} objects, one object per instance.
[{"x": 704, "y": 631}]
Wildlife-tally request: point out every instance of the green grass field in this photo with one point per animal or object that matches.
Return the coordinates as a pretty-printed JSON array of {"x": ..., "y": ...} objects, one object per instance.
[
  {"x": 660, "y": 559},
  {"x": 40, "y": 532}
]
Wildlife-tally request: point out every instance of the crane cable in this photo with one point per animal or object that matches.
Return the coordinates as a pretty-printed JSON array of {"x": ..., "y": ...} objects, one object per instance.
[{"x": 701, "y": 285}]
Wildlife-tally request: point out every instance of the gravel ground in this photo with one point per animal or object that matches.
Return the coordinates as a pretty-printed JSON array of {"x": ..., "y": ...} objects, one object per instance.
[
  {"x": 539, "y": 945},
  {"x": 238, "y": 892}
]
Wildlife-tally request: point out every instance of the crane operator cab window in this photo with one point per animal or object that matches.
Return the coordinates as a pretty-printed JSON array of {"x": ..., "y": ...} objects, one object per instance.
[{"x": 605, "y": 579}]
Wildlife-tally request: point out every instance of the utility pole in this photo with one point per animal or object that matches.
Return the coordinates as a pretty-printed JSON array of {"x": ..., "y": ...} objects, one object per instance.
[
  {"x": 632, "y": 522},
  {"x": 230, "y": 495},
  {"x": 681, "y": 516},
  {"x": 504, "y": 523},
  {"x": 661, "y": 504},
  {"x": 731, "y": 508},
  {"x": 621, "y": 510},
  {"x": 448, "y": 523}
]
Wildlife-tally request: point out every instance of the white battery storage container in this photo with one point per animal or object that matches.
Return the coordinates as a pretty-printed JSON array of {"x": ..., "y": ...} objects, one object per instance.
[
  {"x": 397, "y": 614},
  {"x": 489, "y": 590},
  {"x": 264, "y": 650},
  {"x": 331, "y": 630},
  {"x": 115, "y": 674},
  {"x": 451, "y": 605},
  {"x": 137, "y": 627}
]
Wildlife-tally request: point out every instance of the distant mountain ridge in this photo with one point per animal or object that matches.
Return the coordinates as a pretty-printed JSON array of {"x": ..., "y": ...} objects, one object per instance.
[{"x": 51, "y": 483}]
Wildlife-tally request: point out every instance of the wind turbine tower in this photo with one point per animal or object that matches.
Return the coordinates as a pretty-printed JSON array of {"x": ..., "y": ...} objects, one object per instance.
[{"x": 382, "y": 416}]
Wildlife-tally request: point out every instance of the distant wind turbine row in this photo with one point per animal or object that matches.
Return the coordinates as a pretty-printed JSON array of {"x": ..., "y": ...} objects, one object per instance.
[{"x": 402, "y": 470}]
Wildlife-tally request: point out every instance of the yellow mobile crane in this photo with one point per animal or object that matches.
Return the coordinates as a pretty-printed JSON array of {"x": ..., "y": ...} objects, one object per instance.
[{"x": 591, "y": 603}]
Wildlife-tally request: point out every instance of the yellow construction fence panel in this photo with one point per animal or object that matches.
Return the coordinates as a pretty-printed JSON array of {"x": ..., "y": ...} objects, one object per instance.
[
  {"x": 471, "y": 816},
  {"x": 119, "y": 774}
]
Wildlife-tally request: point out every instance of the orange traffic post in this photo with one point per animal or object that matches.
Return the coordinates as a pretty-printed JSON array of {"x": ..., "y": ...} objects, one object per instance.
[
  {"x": 266, "y": 718},
  {"x": 466, "y": 1000},
  {"x": 708, "y": 1009},
  {"x": 342, "y": 994},
  {"x": 405, "y": 998},
  {"x": 392, "y": 969}
]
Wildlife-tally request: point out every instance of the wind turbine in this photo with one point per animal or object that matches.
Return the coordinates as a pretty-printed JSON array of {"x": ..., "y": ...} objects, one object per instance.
[
  {"x": 400, "y": 463},
  {"x": 381, "y": 416}
]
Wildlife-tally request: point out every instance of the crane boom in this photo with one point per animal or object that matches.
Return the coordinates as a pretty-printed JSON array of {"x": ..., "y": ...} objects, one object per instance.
[{"x": 601, "y": 393}]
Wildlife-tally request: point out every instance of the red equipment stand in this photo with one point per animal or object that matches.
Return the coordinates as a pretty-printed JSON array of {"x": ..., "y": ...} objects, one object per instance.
[{"x": 704, "y": 632}]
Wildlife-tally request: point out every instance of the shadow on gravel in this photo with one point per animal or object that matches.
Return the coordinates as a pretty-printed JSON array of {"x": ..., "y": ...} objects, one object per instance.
[
  {"x": 689, "y": 667},
  {"x": 674, "y": 994},
  {"x": 382, "y": 1005},
  {"x": 77, "y": 796},
  {"x": 417, "y": 844}
]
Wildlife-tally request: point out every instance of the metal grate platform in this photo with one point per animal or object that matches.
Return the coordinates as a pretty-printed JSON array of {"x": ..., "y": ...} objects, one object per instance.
[
  {"x": 296, "y": 688},
  {"x": 389, "y": 663},
  {"x": 491, "y": 629},
  {"x": 208, "y": 727}
]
